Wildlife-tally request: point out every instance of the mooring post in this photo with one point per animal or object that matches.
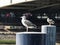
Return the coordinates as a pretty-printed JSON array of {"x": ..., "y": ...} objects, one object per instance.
[
  {"x": 51, "y": 34},
  {"x": 30, "y": 38}
]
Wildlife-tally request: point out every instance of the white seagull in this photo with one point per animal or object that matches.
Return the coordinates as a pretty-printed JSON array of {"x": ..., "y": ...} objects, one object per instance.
[
  {"x": 50, "y": 21},
  {"x": 27, "y": 23}
]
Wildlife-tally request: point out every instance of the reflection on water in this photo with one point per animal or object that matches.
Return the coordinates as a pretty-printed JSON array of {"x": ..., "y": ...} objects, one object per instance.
[{"x": 7, "y": 44}]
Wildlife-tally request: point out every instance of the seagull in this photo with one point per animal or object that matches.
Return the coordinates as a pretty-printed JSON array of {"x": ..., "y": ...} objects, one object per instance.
[
  {"x": 50, "y": 21},
  {"x": 27, "y": 23}
]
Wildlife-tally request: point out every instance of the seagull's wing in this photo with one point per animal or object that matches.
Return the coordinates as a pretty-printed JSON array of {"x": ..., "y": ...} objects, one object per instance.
[{"x": 28, "y": 23}]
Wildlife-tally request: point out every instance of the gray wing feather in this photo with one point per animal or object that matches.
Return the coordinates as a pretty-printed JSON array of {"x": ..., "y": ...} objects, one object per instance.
[{"x": 27, "y": 22}]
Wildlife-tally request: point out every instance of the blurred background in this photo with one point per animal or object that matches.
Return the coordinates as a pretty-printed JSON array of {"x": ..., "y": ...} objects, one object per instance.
[{"x": 10, "y": 14}]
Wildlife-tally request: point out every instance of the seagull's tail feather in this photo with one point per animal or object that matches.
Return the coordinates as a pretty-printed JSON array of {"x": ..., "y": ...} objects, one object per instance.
[
  {"x": 35, "y": 26},
  {"x": 53, "y": 22}
]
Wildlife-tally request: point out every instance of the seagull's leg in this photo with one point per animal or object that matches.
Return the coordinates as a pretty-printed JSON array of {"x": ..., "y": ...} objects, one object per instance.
[
  {"x": 26, "y": 29},
  {"x": 49, "y": 23}
]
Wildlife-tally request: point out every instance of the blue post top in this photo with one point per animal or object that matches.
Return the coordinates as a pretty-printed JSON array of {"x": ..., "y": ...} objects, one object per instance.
[
  {"x": 30, "y": 33},
  {"x": 48, "y": 26}
]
